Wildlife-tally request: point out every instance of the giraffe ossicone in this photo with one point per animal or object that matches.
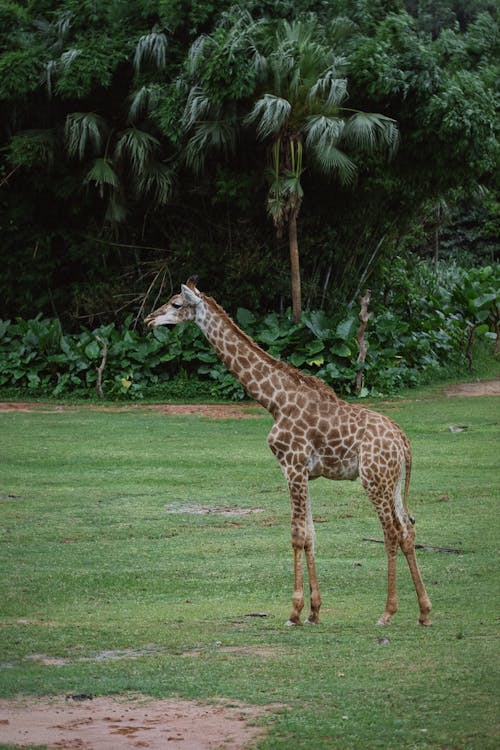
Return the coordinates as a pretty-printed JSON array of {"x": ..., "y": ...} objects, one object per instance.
[{"x": 314, "y": 434}]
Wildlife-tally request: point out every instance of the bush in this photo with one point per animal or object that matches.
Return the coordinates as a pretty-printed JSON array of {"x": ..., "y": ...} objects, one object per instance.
[{"x": 419, "y": 328}]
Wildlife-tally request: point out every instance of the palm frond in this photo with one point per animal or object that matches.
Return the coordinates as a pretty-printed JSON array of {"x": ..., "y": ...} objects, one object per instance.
[
  {"x": 260, "y": 63},
  {"x": 332, "y": 161},
  {"x": 291, "y": 190},
  {"x": 62, "y": 25},
  {"x": 157, "y": 182},
  {"x": 196, "y": 54},
  {"x": 101, "y": 173},
  {"x": 198, "y": 107},
  {"x": 281, "y": 202},
  {"x": 67, "y": 58},
  {"x": 143, "y": 101},
  {"x": 323, "y": 131},
  {"x": 56, "y": 31},
  {"x": 276, "y": 208},
  {"x": 298, "y": 32},
  {"x": 48, "y": 75},
  {"x": 137, "y": 146},
  {"x": 282, "y": 63},
  {"x": 330, "y": 89},
  {"x": 271, "y": 113},
  {"x": 340, "y": 30},
  {"x": 217, "y": 135},
  {"x": 151, "y": 48},
  {"x": 84, "y": 131},
  {"x": 53, "y": 67},
  {"x": 369, "y": 132}
]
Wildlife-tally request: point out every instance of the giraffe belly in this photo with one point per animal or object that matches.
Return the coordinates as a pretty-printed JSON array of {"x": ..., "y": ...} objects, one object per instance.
[{"x": 333, "y": 467}]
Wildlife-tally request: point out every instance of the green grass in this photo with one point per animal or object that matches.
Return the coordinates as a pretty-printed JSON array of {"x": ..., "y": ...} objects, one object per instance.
[{"x": 91, "y": 562}]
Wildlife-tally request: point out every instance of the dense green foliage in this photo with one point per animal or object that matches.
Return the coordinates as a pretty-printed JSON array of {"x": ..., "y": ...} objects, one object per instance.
[
  {"x": 113, "y": 580},
  {"x": 420, "y": 329},
  {"x": 104, "y": 207}
]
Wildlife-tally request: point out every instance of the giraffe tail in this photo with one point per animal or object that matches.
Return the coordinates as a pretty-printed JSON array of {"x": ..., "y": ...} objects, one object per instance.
[{"x": 407, "y": 482}]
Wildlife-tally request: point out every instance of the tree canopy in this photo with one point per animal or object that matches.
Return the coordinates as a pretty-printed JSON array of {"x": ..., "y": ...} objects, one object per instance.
[{"x": 139, "y": 140}]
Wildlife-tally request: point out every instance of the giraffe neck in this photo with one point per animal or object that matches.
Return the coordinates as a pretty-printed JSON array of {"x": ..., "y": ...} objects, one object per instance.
[{"x": 264, "y": 378}]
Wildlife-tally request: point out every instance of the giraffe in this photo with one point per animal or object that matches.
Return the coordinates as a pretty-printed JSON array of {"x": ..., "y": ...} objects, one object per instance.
[{"x": 314, "y": 434}]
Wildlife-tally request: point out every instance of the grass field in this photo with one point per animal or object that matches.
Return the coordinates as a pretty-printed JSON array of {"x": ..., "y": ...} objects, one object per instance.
[{"x": 112, "y": 580}]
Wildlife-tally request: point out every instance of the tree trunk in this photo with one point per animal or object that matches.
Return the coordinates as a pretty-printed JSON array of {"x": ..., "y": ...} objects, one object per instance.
[{"x": 295, "y": 266}]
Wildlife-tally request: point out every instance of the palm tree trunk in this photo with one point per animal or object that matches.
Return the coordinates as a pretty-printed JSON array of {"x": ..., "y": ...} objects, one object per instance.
[{"x": 294, "y": 266}]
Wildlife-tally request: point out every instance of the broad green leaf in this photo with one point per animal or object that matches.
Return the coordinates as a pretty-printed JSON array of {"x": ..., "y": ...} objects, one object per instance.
[
  {"x": 245, "y": 318},
  {"x": 484, "y": 300},
  {"x": 297, "y": 359},
  {"x": 314, "y": 347},
  {"x": 318, "y": 323},
  {"x": 341, "y": 350},
  {"x": 92, "y": 350},
  {"x": 345, "y": 329}
]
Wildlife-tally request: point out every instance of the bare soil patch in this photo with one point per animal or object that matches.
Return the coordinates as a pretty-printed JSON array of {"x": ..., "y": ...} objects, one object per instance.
[
  {"x": 213, "y": 411},
  {"x": 206, "y": 510},
  {"x": 131, "y": 721},
  {"x": 481, "y": 388}
]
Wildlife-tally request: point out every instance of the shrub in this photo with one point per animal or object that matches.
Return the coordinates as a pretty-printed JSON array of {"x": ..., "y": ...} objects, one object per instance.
[{"x": 418, "y": 329}]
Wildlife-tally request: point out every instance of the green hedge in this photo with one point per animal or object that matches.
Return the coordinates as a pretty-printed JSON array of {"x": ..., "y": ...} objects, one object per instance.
[{"x": 424, "y": 330}]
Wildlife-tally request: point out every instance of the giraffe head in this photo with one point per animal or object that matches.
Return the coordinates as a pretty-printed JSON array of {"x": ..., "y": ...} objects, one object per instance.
[{"x": 180, "y": 308}]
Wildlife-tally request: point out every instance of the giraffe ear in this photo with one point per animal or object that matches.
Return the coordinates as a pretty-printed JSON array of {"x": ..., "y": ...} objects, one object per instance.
[{"x": 189, "y": 296}]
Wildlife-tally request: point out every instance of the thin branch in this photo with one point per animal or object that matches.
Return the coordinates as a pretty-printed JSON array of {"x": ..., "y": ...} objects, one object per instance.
[
  {"x": 164, "y": 272},
  {"x": 427, "y": 547},
  {"x": 8, "y": 176},
  {"x": 123, "y": 244}
]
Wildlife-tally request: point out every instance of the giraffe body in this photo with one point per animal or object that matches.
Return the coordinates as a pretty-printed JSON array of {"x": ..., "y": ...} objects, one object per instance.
[{"x": 314, "y": 434}]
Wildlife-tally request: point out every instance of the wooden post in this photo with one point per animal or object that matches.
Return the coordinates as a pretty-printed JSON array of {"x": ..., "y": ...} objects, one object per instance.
[
  {"x": 101, "y": 367},
  {"x": 364, "y": 316}
]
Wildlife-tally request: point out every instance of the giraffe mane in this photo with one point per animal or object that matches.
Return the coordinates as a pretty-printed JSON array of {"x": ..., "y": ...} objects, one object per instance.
[{"x": 298, "y": 377}]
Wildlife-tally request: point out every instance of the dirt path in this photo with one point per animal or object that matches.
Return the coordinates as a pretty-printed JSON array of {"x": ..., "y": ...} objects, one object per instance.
[
  {"x": 481, "y": 388},
  {"x": 133, "y": 721},
  {"x": 212, "y": 411},
  {"x": 217, "y": 411}
]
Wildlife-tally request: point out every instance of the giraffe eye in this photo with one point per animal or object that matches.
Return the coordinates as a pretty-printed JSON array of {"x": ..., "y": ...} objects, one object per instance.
[{"x": 176, "y": 305}]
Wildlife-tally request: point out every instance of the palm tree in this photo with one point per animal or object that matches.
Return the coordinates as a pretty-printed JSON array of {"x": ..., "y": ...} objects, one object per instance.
[
  {"x": 130, "y": 156},
  {"x": 301, "y": 88}
]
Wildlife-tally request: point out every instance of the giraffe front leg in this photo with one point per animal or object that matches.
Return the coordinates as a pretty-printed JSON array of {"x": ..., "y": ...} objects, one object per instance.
[
  {"x": 298, "y": 499},
  {"x": 298, "y": 588},
  {"x": 314, "y": 587},
  {"x": 311, "y": 565}
]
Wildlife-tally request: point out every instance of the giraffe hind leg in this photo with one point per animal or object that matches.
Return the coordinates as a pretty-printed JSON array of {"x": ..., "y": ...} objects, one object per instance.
[
  {"x": 391, "y": 539},
  {"x": 424, "y": 603},
  {"x": 383, "y": 496},
  {"x": 311, "y": 565}
]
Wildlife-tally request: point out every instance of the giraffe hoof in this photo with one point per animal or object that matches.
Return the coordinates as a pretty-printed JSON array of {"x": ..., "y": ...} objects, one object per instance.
[
  {"x": 292, "y": 623},
  {"x": 425, "y": 623},
  {"x": 384, "y": 621},
  {"x": 312, "y": 621}
]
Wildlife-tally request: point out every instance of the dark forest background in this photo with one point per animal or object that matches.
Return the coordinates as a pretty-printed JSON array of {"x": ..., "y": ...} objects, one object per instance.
[{"x": 116, "y": 183}]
